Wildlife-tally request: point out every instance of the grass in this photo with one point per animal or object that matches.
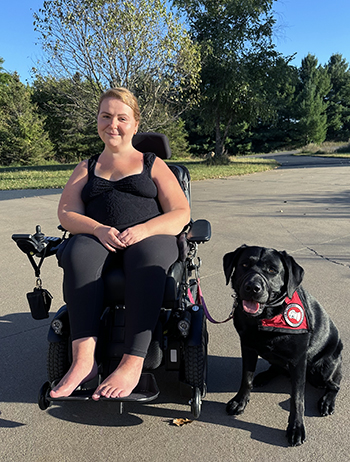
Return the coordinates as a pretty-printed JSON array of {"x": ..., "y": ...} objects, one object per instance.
[
  {"x": 56, "y": 176},
  {"x": 200, "y": 170},
  {"x": 35, "y": 177},
  {"x": 326, "y": 149}
]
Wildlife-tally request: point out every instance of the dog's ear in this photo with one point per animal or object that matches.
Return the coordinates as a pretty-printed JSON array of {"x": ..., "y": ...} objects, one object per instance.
[
  {"x": 230, "y": 262},
  {"x": 294, "y": 273}
]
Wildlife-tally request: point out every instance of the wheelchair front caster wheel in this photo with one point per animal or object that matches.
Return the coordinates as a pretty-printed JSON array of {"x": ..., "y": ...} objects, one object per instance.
[
  {"x": 43, "y": 400},
  {"x": 196, "y": 402}
]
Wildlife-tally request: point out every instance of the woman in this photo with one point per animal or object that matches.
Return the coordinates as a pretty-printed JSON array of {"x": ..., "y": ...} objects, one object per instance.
[{"x": 121, "y": 201}]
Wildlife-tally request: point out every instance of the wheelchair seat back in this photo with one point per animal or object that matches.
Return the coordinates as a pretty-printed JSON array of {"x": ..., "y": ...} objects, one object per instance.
[{"x": 159, "y": 144}]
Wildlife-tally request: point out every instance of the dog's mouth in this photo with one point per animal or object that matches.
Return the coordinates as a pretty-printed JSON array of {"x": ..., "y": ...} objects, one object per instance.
[{"x": 251, "y": 306}]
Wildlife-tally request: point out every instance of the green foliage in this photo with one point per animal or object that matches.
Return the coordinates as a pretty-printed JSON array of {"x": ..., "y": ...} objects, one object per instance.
[
  {"x": 314, "y": 87},
  {"x": 237, "y": 49},
  {"x": 68, "y": 120},
  {"x": 22, "y": 136},
  {"x": 276, "y": 128},
  {"x": 338, "y": 111},
  {"x": 178, "y": 139},
  {"x": 4, "y": 76},
  {"x": 133, "y": 43},
  {"x": 220, "y": 88}
]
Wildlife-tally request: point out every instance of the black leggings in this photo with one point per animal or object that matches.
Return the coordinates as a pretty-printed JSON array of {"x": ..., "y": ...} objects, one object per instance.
[{"x": 145, "y": 266}]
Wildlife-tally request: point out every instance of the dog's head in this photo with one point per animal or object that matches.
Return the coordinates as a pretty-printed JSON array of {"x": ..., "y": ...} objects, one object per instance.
[{"x": 261, "y": 277}]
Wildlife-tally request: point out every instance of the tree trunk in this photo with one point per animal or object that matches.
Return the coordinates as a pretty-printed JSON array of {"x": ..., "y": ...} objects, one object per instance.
[
  {"x": 220, "y": 138},
  {"x": 219, "y": 141}
]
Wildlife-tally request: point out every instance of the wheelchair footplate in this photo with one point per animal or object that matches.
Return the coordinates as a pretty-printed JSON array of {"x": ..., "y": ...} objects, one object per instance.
[{"x": 145, "y": 391}]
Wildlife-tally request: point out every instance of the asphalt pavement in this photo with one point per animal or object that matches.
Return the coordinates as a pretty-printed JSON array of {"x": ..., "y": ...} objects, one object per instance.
[{"x": 301, "y": 207}]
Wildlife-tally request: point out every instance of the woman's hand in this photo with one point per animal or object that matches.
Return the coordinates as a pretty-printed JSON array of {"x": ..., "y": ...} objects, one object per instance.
[
  {"x": 112, "y": 239},
  {"x": 109, "y": 237},
  {"x": 133, "y": 235}
]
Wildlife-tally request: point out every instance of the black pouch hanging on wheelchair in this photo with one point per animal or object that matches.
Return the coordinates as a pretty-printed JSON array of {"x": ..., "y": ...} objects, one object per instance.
[{"x": 39, "y": 301}]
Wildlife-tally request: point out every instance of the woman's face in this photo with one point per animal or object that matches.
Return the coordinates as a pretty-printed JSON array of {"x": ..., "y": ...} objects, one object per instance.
[{"x": 116, "y": 124}]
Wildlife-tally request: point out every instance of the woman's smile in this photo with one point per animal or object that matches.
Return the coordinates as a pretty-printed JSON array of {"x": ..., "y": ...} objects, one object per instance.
[{"x": 116, "y": 123}]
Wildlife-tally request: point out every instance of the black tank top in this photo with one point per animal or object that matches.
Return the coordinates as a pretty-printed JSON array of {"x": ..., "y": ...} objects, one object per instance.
[{"x": 122, "y": 203}]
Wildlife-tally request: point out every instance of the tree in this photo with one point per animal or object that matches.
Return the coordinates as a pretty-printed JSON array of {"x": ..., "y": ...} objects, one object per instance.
[
  {"x": 338, "y": 111},
  {"x": 72, "y": 131},
  {"x": 72, "y": 134},
  {"x": 237, "y": 50},
  {"x": 133, "y": 43},
  {"x": 4, "y": 76},
  {"x": 278, "y": 126},
  {"x": 314, "y": 86},
  {"x": 22, "y": 135}
]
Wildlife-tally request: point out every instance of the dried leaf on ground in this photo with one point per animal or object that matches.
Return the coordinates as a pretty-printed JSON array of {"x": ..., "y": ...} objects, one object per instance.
[{"x": 181, "y": 422}]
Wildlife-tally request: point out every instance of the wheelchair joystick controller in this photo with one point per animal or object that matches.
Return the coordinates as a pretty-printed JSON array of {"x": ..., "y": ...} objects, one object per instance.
[
  {"x": 37, "y": 245},
  {"x": 38, "y": 232},
  {"x": 39, "y": 236}
]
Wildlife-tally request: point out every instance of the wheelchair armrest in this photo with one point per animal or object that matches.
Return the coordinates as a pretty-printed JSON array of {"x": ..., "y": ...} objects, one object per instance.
[
  {"x": 200, "y": 231},
  {"x": 37, "y": 244}
]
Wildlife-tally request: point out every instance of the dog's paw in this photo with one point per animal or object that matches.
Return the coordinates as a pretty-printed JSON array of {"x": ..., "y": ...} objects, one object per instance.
[
  {"x": 296, "y": 433},
  {"x": 234, "y": 407},
  {"x": 326, "y": 404}
]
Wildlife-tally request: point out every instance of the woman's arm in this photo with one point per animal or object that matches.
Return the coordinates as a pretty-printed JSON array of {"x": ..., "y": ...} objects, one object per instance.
[
  {"x": 71, "y": 211},
  {"x": 174, "y": 204}
]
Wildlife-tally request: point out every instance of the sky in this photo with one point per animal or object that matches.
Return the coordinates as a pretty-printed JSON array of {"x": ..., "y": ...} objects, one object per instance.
[{"x": 303, "y": 26}]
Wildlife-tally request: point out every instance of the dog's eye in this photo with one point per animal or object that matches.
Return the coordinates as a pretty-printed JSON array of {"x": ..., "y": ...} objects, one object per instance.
[
  {"x": 271, "y": 270},
  {"x": 245, "y": 265}
]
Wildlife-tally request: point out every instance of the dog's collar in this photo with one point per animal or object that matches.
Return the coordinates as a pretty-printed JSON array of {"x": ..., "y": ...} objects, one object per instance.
[
  {"x": 293, "y": 318},
  {"x": 278, "y": 302}
]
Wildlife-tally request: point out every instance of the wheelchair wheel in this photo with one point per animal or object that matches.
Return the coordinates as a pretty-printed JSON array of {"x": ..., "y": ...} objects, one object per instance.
[
  {"x": 43, "y": 402},
  {"x": 195, "y": 366},
  {"x": 195, "y": 361},
  {"x": 196, "y": 403},
  {"x": 57, "y": 360}
]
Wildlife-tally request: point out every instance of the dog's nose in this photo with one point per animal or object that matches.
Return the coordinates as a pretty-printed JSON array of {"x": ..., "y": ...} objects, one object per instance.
[{"x": 253, "y": 288}]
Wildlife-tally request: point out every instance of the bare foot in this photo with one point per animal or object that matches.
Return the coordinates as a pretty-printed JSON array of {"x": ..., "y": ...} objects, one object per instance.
[
  {"x": 83, "y": 368},
  {"x": 123, "y": 380},
  {"x": 78, "y": 373}
]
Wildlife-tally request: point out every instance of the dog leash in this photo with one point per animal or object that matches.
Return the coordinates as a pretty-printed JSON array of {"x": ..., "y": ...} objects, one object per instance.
[{"x": 202, "y": 302}]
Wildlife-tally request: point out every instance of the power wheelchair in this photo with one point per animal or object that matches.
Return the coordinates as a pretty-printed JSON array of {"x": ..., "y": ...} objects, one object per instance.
[{"x": 180, "y": 340}]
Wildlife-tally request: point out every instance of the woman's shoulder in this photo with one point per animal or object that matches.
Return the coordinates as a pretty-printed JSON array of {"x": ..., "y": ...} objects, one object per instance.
[
  {"x": 78, "y": 175},
  {"x": 81, "y": 168},
  {"x": 85, "y": 168}
]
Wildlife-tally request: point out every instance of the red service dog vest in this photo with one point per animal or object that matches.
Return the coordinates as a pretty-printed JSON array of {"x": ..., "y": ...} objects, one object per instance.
[{"x": 292, "y": 320}]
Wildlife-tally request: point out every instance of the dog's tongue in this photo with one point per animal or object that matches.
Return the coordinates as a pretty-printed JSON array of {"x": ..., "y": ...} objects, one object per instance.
[{"x": 250, "y": 306}]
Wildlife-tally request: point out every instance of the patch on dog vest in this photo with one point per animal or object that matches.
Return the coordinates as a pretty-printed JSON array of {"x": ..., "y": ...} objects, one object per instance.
[{"x": 292, "y": 320}]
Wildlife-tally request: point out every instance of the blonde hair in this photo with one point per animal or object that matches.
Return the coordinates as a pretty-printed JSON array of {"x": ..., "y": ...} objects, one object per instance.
[{"x": 124, "y": 95}]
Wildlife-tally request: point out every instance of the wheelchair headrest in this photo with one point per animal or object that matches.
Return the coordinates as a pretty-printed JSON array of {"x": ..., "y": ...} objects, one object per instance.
[{"x": 152, "y": 142}]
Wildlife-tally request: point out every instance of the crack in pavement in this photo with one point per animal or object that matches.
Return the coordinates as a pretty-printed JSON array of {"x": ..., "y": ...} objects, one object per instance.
[
  {"x": 345, "y": 265},
  {"x": 327, "y": 258}
]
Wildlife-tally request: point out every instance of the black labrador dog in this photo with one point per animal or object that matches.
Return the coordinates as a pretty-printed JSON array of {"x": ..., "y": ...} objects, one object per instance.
[{"x": 281, "y": 322}]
